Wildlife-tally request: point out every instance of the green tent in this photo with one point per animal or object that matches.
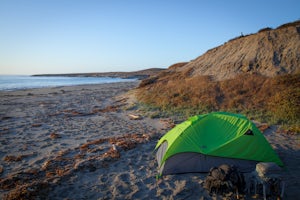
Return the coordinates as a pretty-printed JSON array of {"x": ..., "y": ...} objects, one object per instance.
[{"x": 209, "y": 140}]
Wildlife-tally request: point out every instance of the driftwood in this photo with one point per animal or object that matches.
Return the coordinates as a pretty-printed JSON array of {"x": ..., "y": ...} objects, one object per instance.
[{"x": 135, "y": 117}]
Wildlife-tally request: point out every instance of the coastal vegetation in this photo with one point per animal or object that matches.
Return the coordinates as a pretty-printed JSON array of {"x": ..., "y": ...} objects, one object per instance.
[{"x": 273, "y": 100}]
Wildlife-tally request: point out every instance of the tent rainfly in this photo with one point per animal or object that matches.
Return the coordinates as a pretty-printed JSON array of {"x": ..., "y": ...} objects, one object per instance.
[{"x": 209, "y": 140}]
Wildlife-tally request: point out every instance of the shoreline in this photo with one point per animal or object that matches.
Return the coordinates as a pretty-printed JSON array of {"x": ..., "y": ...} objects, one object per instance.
[
  {"x": 18, "y": 83},
  {"x": 66, "y": 86},
  {"x": 79, "y": 142}
]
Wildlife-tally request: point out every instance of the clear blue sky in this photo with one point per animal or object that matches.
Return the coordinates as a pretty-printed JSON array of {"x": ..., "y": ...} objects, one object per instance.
[{"x": 74, "y": 36}]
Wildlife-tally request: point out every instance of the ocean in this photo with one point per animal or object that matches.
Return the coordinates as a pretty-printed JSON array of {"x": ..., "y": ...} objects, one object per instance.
[{"x": 12, "y": 82}]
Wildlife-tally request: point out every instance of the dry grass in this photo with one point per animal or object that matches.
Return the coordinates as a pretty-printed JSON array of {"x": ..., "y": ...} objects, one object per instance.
[{"x": 272, "y": 100}]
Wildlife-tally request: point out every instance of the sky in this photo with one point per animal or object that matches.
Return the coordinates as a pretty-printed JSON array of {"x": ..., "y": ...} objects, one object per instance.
[{"x": 82, "y": 36}]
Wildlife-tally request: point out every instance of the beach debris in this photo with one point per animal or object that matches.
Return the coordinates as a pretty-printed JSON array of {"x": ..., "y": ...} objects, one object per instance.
[
  {"x": 46, "y": 164},
  {"x": 79, "y": 156},
  {"x": 122, "y": 100},
  {"x": 134, "y": 117},
  {"x": 94, "y": 150},
  {"x": 87, "y": 145},
  {"x": 13, "y": 180},
  {"x": 24, "y": 147},
  {"x": 33, "y": 171},
  {"x": 263, "y": 127},
  {"x": 128, "y": 140},
  {"x": 112, "y": 153},
  {"x": 76, "y": 113},
  {"x": 289, "y": 132},
  {"x": 59, "y": 171},
  {"x": 72, "y": 112},
  {"x": 36, "y": 125},
  {"x": 4, "y": 131},
  {"x": 54, "y": 135},
  {"x": 17, "y": 158},
  {"x": 32, "y": 190},
  {"x": 125, "y": 142},
  {"x": 12, "y": 158},
  {"x": 167, "y": 123},
  {"x": 88, "y": 156},
  {"x": 112, "y": 108},
  {"x": 8, "y": 182},
  {"x": 114, "y": 147}
]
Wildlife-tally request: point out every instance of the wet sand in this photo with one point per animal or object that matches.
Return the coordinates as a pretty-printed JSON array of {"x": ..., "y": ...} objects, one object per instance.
[{"x": 81, "y": 142}]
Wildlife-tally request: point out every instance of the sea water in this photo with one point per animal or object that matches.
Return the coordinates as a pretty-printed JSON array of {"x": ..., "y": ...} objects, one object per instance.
[{"x": 12, "y": 82}]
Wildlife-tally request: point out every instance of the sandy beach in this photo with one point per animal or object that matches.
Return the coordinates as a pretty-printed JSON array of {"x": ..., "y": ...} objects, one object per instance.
[{"x": 92, "y": 142}]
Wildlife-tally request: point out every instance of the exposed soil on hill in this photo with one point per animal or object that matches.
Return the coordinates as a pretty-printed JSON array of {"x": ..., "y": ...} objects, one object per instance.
[{"x": 268, "y": 52}]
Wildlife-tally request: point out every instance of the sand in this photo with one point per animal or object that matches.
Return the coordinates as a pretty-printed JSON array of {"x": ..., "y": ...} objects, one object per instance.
[{"x": 93, "y": 142}]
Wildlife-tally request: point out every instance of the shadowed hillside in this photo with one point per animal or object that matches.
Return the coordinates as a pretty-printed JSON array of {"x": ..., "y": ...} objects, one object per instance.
[{"x": 257, "y": 75}]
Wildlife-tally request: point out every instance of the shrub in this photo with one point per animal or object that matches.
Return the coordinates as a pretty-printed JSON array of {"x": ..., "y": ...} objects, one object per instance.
[
  {"x": 265, "y": 29},
  {"x": 273, "y": 100}
]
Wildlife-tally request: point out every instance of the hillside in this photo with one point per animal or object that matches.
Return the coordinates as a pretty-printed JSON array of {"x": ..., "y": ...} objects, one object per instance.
[
  {"x": 257, "y": 75},
  {"x": 268, "y": 52}
]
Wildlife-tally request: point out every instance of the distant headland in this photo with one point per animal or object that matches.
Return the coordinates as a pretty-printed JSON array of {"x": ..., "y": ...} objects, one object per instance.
[{"x": 141, "y": 74}]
